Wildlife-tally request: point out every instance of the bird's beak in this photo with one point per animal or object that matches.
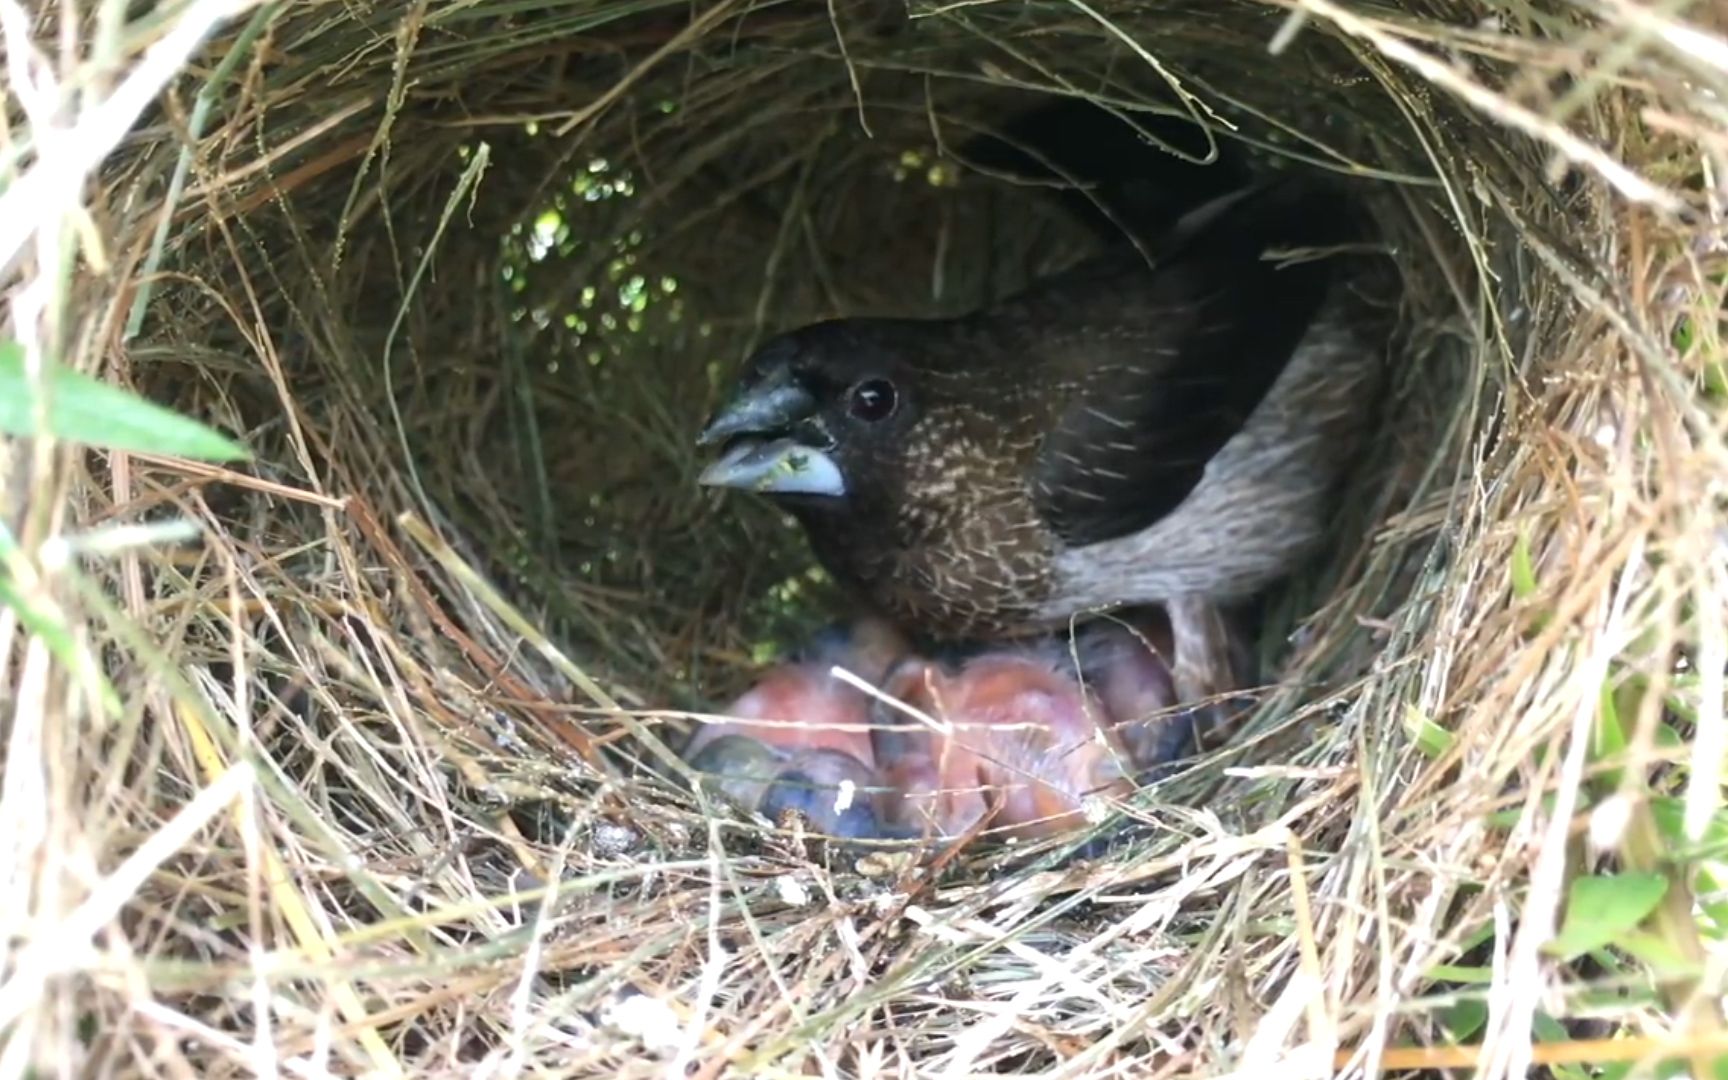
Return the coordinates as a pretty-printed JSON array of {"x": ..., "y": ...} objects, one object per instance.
[
  {"x": 775, "y": 466},
  {"x": 774, "y": 404},
  {"x": 761, "y": 456}
]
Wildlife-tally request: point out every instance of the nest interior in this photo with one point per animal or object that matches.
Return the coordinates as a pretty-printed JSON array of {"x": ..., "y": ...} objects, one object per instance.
[{"x": 468, "y": 276}]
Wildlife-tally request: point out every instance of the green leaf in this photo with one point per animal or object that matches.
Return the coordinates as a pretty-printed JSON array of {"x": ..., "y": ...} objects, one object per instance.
[
  {"x": 86, "y": 410},
  {"x": 1602, "y": 909},
  {"x": 1657, "y": 953},
  {"x": 1461, "y": 973},
  {"x": 1523, "y": 567},
  {"x": 1669, "y": 813},
  {"x": 1548, "y": 1029},
  {"x": 1476, "y": 937},
  {"x": 1432, "y": 739},
  {"x": 1464, "y": 1019},
  {"x": 1684, "y": 331},
  {"x": 1716, "y": 380},
  {"x": 1609, "y": 736}
]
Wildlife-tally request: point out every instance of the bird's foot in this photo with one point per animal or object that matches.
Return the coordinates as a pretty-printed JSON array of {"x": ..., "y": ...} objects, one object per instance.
[
  {"x": 1165, "y": 742},
  {"x": 1204, "y": 670}
]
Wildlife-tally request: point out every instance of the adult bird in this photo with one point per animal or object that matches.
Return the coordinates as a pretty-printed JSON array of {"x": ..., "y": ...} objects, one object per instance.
[{"x": 1123, "y": 433}]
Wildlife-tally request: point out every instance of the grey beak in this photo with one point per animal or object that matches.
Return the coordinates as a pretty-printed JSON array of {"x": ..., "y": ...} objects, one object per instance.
[
  {"x": 764, "y": 457},
  {"x": 774, "y": 405},
  {"x": 775, "y": 466}
]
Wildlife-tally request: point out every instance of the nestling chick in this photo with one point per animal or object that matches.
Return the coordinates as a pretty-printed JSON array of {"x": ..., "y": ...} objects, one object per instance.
[
  {"x": 1022, "y": 748},
  {"x": 832, "y": 789},
  {"x": 798, "y": 739},
  {"x": 1121, "y": 434},
  {"x": 1126, "y": 665}
]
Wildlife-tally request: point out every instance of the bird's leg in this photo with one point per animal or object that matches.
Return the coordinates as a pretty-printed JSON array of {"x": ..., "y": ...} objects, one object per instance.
[{"x": 1202, "y": 670}]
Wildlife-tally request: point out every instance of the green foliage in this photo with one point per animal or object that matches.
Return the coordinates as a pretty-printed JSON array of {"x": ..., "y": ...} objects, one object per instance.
[
  {"x": 622, "y": 308},
  {"x": 1464, "y": 1019},
  {"x": 87, "y": 411},
  {"x": 1464, "y": 973},
  {"x": 1523, "y": 567},
  {"x": 1716, "y": 379},
  {"x": 1621, "y": 923},
  {"x": 1432, "y": 739},
  {"x": 1602, "y": 908},
  {"x": 48, "y": 622},
  {"x": 1609, "y": 735},
  {"x": 1715, "y": 371}
]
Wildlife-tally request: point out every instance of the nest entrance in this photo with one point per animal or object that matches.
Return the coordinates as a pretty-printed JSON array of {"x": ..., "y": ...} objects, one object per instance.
[
  {"x": 534, "y": 314},
  {"x": 472, "y": 299},
  {"x": 509, "y": 320}
]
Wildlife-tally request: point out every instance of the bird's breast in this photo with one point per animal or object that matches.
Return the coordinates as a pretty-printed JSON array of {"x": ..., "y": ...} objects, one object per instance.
[{"x": 962, "y": 567}]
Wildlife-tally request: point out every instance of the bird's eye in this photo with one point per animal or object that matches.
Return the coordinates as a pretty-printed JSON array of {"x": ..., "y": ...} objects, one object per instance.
[{"x": 873, "y": 400}]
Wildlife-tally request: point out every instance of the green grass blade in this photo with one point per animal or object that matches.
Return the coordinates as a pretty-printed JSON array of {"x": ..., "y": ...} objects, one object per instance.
[{"x": 88, "y": 411}]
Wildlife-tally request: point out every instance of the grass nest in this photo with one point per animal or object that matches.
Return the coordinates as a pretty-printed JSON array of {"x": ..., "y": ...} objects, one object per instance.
[{"x": 369, "y": 775}]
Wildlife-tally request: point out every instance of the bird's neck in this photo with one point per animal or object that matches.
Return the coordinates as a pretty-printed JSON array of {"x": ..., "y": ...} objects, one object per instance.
[
  {"x": 953, "y": 579},
  {"x": 854, "y": 541}
]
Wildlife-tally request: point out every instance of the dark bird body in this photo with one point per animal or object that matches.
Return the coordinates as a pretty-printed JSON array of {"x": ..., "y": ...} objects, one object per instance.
[
  {"x": 1121, "y": 434},
  {"x": 1112, "y": 171}
]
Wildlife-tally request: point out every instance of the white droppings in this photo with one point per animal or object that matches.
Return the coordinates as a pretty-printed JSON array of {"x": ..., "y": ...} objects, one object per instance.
[
  {"x": 791, "y": 891},
  {"x": 646, "y": 1019},
  {"x": 1096, "y": 809},
  {"x": 1608, "y": 822},
  {"x": 844, "y": 796}
]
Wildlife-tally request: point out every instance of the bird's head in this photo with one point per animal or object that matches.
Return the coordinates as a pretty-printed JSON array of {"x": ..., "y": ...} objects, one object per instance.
[
  {"x": 867, "y": 645},
  {"x": 820, "y": 415}
]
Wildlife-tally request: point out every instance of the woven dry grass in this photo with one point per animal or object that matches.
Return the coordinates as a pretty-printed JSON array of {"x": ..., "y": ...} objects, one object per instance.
[{"x": 380, "y": 786}]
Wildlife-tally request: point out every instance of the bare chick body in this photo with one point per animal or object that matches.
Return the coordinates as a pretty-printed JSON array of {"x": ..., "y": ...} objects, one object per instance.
[
  {"x": 1018, "y": 748},
  {"x": 798, "y": 739}
]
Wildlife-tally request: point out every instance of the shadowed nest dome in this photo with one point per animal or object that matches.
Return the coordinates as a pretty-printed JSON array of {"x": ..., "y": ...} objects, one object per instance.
[{"x": 467, "y": 277}]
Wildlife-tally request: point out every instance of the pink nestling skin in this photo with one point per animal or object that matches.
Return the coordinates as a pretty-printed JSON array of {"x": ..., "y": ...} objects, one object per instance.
[
  {"x": 1126, "y": 664},
  {"x": 796, "y": 735},
  {"x": 802, "y": 705},
  {"x": 1024, "y": 742}
]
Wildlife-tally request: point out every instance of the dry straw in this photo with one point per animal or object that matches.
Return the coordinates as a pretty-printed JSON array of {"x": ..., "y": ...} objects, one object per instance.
[{"x": 307, "y": 795}]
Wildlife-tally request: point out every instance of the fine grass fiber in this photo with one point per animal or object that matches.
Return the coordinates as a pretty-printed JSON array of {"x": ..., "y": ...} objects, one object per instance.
[{"x": 354, "y": 757}]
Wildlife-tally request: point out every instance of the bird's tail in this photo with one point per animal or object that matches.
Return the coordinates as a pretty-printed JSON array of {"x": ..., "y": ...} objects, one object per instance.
[
  {"x": 1287, "y": 212},
  {"x": 1156, "y": 181},
  {"x": 1120, "y": 173}
]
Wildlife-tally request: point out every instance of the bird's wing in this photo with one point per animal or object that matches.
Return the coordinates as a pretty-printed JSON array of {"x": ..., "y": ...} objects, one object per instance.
[{"x": 1162, "y": 366}]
